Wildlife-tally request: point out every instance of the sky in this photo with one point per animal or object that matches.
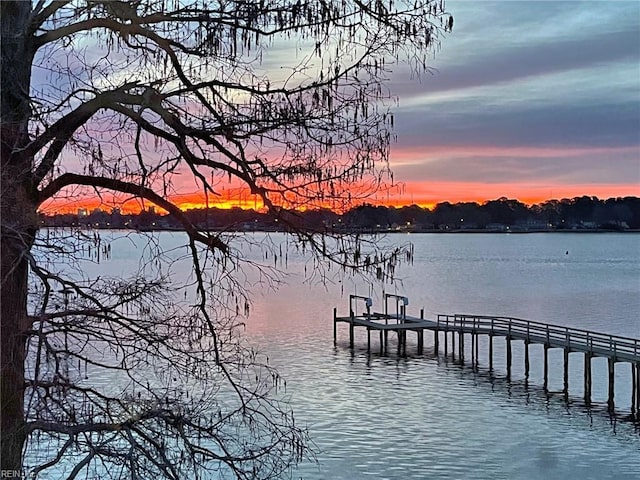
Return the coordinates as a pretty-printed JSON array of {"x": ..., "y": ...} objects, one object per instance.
[
  {"x": 531, "y": 100},
  {"x": 528, "y": 100}
]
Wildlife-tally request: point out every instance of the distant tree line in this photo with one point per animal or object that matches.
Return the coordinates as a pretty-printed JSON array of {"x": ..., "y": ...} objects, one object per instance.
[{"x": 503, "y": 214}]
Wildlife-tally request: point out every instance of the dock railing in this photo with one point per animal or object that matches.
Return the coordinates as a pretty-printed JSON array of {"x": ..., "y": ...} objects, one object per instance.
[{"x": 576, "y": 339}]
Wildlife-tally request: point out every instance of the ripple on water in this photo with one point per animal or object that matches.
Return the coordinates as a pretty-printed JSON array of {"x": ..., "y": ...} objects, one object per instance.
[{"x": 429, "y": 417}]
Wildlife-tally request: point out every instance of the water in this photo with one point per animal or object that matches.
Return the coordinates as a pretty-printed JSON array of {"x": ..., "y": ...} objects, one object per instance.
[{"x": 428, "y": 416}]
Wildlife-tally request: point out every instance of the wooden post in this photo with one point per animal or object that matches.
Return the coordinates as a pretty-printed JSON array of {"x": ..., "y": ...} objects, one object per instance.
[
  {"x": 546, "y": 366},
  {"x": 566, "y": 372},
  {"x": 453, "y": 343},
  {"x": 436, "y": 336},
  {"x": 461, "y": 345},
  {"x": 509, "y": 353},
  {"x": 526, "y": 359},
  {"x": 612, "y": 372},
  {"x": 351, "y": 333},
  {"x": 508, "y": 357},
  {"x": 633, "y": 389},
  {"x": 368, "y": 339},
  {"x": 421, "y": 334},
  {"x": 381, "y": 343},
  {"x": 587, "y": 378},
  {"x": 404, "y": 342},
  {"x": 473, "y": 350},
  {"x": 403, "y": 336},
  {"x": 446, "y": 343},
  {"x": 477, "y": 354},
  {"x": 491, "y": 352},
  {"x": 638, "y": 389},
  {"x": 335, "y": 325}
]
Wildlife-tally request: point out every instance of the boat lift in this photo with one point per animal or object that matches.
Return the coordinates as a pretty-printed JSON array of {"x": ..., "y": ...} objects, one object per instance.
[{"x": 401, "y": 310}]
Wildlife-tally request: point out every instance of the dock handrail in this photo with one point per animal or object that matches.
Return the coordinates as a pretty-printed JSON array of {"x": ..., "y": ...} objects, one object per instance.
[{"x": 568, "y": 337}]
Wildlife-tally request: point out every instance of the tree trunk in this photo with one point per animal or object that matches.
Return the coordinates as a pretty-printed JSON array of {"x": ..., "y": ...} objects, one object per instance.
[
  {"x": 19, "y": 223},
  {"x": 12, "y": 334}
]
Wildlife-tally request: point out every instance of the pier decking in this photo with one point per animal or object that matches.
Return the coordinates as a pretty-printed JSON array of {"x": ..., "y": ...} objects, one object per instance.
[{"x": 592, "y": 344}]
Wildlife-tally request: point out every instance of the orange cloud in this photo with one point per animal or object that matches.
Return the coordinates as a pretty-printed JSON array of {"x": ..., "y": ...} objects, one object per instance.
[
  {"x": 426, "y": 194},
  {"x": 431, "y": 193}
]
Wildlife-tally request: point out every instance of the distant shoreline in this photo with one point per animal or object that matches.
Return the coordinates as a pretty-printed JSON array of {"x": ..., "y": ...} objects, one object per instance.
[{"x": 354, "y": 231}]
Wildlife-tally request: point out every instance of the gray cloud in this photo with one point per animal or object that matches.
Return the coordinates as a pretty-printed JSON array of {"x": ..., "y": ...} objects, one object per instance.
[
  {"x": 604, "y": 125},
  {"x": 522, "y": 61}
]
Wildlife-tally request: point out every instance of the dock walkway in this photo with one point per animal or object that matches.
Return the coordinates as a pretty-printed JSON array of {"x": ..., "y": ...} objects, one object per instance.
[{"x": 592, "y": 344}]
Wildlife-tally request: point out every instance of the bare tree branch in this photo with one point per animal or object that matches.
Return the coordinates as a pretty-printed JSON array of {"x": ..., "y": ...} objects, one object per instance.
[
  {"x": 147, "y": 370},
  {"x": 67, "y": 179}
]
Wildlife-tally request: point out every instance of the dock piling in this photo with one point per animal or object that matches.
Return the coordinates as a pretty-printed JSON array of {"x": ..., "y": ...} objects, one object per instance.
[
  {"x": 477, "y": 350},
  {"x": 612, "y": 376},
  {"x": 566, "y": 372},
  {"x": 509, "y": 357},
  {"x": 637, "y": 390},
  {"x": 546, "y": 366},
  {"x": 491, "y": 352},
  {"x": 453, "y": 342},
  {"x": 587, "y": 378},
  {"x": 351, "y": 328},
  {"x": 446, "y": 342}
]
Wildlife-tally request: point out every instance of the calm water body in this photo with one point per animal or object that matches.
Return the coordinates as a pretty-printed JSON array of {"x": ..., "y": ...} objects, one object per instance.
[{"x": 428, "y": 416}]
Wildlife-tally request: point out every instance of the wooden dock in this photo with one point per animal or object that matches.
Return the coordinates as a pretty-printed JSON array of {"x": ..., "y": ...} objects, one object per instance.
[{"x": 456, "y": 327}]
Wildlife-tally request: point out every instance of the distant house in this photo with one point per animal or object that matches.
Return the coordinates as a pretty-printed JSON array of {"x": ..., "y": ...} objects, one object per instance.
[
  {"x": 497, "y": 227},
  {"x": 531, "y": 223},
  {"x": 588, "y": 225}
]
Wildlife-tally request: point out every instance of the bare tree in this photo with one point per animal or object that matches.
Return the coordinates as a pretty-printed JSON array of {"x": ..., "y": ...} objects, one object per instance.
[{"x": 124, "y": 100}]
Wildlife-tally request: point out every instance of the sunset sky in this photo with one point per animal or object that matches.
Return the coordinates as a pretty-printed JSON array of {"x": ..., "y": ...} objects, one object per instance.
[{"x": 528, "y": 100}]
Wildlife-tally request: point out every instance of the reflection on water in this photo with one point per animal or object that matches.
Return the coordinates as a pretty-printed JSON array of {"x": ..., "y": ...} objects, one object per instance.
[
  {"x": 432, "y": 417},
  {"x": 427, "y": 416}
]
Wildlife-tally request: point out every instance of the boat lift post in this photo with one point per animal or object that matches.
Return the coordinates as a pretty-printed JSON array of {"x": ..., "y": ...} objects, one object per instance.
[
  {"x": 400, "y": 310},
  {"x": 401, "y": 314},
  {"x": 368, "y": 303}
]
